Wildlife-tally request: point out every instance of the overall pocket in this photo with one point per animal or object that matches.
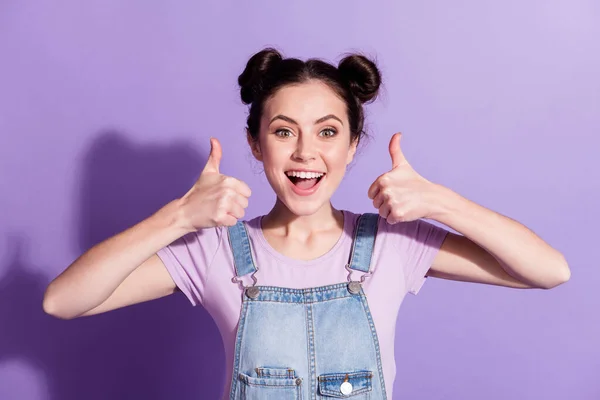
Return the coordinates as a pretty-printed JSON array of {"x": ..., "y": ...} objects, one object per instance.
[
  {"x": 354, "y": 385},
  {"x": 271, "y": 384}
]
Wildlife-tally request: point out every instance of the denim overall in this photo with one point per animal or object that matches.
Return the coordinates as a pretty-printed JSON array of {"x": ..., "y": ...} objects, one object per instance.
[{"x": 301, "y": 344}]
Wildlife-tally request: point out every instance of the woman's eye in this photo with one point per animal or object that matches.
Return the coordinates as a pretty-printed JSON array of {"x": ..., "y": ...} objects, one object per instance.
[
  {"x": 328, "y": 132},
  {"x": 283, "y": 133}
]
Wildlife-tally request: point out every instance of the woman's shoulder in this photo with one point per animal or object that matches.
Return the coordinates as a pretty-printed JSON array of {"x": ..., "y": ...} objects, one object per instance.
[
  {"x": 253, "y": 223},
  {"x": 407, "y": 229}
]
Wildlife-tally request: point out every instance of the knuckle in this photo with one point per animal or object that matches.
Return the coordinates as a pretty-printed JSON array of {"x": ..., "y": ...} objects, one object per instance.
[
  {"x": 229, "y": 191},
  {"x": 222, "y": 208},
  {"x": 225, "y": 220},
  {"x": 226, "y": 194},
  {"x": 218, "y": 217},
  {"x": 228, "y": 181},
  {"x": 397, "y": 214}
]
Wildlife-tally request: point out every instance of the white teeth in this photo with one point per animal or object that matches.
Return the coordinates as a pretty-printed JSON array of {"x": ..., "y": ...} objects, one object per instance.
[{"x": 304, "y": 174}]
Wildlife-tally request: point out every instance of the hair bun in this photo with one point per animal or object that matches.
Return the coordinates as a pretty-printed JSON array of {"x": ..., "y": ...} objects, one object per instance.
[
  {"x": 258, "y": 66},
  {"x": 361, "y": 75}
]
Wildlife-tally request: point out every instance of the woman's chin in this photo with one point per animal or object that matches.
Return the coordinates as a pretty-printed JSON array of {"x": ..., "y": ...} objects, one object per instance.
[{"x": 305, "y": 203}]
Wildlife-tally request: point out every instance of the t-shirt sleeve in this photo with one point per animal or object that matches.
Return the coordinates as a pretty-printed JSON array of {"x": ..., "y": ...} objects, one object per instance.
[
  {"x": 188, "y": 260},
  {"x": 418, "y": 243}
]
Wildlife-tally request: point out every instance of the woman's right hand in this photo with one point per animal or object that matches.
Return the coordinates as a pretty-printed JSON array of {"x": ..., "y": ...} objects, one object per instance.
[
  {"x": 215, "y": 199},
  {"x": 125, "y": 269}
]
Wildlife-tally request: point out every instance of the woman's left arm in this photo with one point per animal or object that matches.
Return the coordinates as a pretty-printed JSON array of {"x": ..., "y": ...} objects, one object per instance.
[
  {"x": 494, "y": 249},
  {"x": 491, "y": 249}
]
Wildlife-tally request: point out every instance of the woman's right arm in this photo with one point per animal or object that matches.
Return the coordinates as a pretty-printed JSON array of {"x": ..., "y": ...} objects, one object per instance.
[{"x": 124, "y": 269}]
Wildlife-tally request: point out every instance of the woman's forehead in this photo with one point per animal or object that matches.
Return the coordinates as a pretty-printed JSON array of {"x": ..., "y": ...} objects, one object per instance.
[{"x": 307, "y": 101}]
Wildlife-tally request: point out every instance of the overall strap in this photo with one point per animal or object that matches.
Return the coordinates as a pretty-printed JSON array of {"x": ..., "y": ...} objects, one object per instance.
[
  {"x": 364, "y": 241},
  {"x": 240, "y": 247}
]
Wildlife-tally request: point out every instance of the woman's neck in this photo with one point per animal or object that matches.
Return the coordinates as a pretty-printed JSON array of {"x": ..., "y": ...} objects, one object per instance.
[{"x": 283, "y": 222}]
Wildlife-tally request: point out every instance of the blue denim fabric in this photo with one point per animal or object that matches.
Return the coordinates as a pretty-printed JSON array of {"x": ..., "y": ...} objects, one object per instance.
[{"x": 313, "y": 343}]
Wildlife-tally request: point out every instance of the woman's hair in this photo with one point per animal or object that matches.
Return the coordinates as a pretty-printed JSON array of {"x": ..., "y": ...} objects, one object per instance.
[{"x": 355, "y": 80}]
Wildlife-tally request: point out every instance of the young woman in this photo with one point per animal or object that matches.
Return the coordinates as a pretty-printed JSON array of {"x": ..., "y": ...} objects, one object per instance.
[{"x": 305, "y": 297}]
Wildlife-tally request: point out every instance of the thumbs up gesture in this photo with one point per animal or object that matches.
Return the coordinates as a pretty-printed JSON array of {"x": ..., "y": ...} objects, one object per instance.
[
  {"x": 215, "y": 199},
  {"x": 402, "y": 195}
]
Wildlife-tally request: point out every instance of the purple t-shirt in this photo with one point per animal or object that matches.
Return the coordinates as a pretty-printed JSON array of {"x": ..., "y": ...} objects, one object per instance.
[{"x": 201, "y": 264}]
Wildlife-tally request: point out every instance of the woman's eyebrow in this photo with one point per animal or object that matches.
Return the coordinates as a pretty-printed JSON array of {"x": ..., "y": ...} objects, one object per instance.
[
  {"x": 329, "y": 116},
  {"x": 291, "y": 121},
  {"x": 283, "y": 117}
]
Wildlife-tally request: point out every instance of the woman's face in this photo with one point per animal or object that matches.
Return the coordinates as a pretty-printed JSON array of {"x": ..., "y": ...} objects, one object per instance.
[{"x": 304, "y": 145}]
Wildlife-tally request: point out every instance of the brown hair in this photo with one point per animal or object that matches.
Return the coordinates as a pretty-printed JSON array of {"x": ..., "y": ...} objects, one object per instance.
[{"x": 356, "y": 80}]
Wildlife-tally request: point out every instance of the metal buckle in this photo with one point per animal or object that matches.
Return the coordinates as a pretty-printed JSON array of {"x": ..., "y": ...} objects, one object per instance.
[
  {"x": 354, "y": 287},
  {"x": 251, "y": 291}
]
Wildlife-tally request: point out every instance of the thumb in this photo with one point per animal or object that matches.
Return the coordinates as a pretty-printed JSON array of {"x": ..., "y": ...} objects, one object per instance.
[
  {"x": 214, "y": 158},
  {"x": 395, "y": 151}
]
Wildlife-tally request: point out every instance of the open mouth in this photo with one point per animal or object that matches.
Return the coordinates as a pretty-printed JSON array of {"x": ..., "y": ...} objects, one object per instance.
[{"x": 304, "y": 180}]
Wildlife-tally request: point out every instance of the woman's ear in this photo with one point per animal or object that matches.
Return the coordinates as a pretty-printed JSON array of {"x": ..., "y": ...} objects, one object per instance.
[
  {"x": 254, "y": 146},
  {"x": 351, "y": 151}
]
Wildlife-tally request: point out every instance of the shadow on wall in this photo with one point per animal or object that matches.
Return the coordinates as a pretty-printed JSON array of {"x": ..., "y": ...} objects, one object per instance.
[{"x": 156, "y": 350}]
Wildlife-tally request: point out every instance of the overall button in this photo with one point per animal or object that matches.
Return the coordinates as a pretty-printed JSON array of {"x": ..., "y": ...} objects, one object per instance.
[
  {"x": 346, "y": 388},
  {"x": 252, "y": 292},
  {"x": 354, "y": 287},
  {"x": 298, "y": 381}
]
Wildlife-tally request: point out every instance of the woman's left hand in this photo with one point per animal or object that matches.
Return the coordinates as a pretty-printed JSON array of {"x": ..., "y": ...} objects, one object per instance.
[{"x": 402, "y": 195}]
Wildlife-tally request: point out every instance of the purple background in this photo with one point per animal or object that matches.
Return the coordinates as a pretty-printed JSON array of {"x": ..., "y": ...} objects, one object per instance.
[{"x": 105, "y": 112}]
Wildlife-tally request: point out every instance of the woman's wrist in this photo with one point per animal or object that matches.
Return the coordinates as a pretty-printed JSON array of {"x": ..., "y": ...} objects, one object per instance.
[{"x": 171, "y": 217}]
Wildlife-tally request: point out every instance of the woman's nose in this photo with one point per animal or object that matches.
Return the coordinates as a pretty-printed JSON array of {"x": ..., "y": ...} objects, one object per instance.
[{"x": 305, "y": 150}]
